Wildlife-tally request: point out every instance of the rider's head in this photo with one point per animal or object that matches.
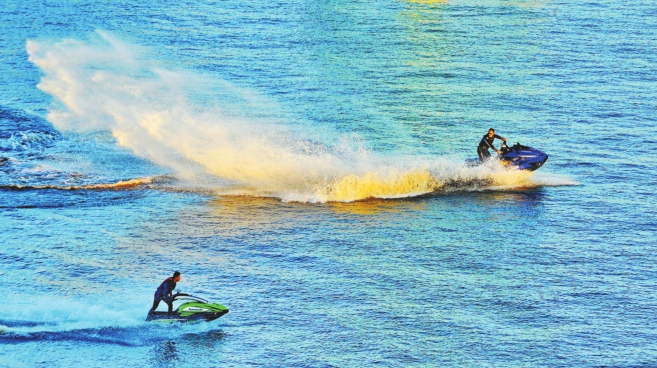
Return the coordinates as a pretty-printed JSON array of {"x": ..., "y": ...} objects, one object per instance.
[
  {"x": 176, "y": 276},
  {"x": 491, "y": 132}
]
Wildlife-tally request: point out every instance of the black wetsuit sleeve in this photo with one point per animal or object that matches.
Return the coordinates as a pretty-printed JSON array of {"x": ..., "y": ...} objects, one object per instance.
[
  {"x": 493, "y": 140},
  {"x": 487, "y": 143}
]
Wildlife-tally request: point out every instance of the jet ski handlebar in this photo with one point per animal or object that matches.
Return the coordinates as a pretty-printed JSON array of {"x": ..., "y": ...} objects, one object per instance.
[{"x": 180, "y": 295}]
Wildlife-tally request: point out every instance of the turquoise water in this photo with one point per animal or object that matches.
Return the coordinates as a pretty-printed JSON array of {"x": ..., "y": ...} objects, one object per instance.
[{"x": 303, "y": 164}]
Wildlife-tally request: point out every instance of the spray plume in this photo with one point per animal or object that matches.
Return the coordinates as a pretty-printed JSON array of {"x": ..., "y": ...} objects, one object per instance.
[{"x": 198, "y": 128}]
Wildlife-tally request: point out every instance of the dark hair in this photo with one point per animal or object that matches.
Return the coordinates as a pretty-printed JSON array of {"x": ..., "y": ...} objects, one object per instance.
[
  {"x": 176, "y": 274},
  {"x": 489, "y": 129}
]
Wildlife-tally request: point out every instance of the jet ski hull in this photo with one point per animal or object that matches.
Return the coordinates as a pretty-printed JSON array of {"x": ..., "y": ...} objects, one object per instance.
[
  {"x": 193, "y": 310},
  {"x": 176, "y": 317},
  {"x": 523, "y": 157}
]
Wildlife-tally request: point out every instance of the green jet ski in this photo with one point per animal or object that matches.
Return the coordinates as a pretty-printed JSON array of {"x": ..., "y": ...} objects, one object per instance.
[{"x": 192, "y": 309}]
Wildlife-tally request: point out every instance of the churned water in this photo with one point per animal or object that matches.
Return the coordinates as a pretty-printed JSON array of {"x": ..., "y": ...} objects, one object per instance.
[{"x": 302, "y": 163}]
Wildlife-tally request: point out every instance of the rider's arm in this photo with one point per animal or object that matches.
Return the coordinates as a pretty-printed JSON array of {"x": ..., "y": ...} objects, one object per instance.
[
  {"x": 498, "y": 137},
  {"x": 167, "y": 289}
]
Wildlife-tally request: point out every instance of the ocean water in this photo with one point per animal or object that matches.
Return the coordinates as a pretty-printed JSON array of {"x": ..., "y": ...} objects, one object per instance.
[{"x": 303, "y": 164}]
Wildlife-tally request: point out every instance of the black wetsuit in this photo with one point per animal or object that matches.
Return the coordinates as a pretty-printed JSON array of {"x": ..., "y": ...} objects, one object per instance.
[
  {"x": 163, "y": 292},
  {"x": 486, "y": 143}
]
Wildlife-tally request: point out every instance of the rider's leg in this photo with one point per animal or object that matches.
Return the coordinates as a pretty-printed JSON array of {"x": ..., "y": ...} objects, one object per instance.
[
  {"x": 156, "y": 302},
  {"x": 483, "y": 153}
]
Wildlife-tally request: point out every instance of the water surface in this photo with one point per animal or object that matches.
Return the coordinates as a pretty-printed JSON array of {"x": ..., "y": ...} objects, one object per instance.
[{"x": 302, "y": 164}]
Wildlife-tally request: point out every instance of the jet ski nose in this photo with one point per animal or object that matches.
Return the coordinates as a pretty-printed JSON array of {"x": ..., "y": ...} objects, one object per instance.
[{"x": 536, "y": 165}]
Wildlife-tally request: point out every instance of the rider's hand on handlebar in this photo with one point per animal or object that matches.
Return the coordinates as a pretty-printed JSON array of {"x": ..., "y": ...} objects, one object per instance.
[{"x": 499, "y": 152}]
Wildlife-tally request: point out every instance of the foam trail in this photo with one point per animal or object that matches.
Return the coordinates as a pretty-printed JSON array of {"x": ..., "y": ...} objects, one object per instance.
[
  {"x": 50, "y": 318},
  {"x": 163, "y": 116},
  {"x": 119, "y": 185},
  {"x": 50, "y": 314}
]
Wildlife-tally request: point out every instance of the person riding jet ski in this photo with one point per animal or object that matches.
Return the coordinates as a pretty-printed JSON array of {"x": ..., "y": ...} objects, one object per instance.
[
  {"x": 192, "y": 308},
  {"x": 517, "y": 156},
  {"x": 164, "y": 292},
  {"x": 486, "y": 143}
]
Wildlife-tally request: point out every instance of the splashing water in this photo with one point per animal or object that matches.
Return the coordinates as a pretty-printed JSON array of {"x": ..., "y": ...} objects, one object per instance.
[{"x": 235, "y": 148}]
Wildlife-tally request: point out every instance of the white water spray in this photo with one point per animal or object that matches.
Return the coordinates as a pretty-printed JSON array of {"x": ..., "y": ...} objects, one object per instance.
[{"x": 164, "y": 116}]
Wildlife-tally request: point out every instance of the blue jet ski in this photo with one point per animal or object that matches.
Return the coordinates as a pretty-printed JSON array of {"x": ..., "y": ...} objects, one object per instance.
[
  {"x": 518, "y": 156},
  {"x": 522, "y": 157}
]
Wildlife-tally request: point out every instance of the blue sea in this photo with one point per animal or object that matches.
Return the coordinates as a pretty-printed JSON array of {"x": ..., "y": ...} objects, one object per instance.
[{"x": 303, "y": 164}]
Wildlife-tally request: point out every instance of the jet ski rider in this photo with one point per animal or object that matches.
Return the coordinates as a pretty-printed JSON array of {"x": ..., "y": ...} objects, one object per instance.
[
  {"x": 164, "y": 292},
  {"x": 487, "y": 142}
]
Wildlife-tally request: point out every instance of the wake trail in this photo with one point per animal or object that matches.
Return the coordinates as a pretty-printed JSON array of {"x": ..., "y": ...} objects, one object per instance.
[
  {"x": 119, "y": 185},
  {"x": 349, "y": 189}
]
